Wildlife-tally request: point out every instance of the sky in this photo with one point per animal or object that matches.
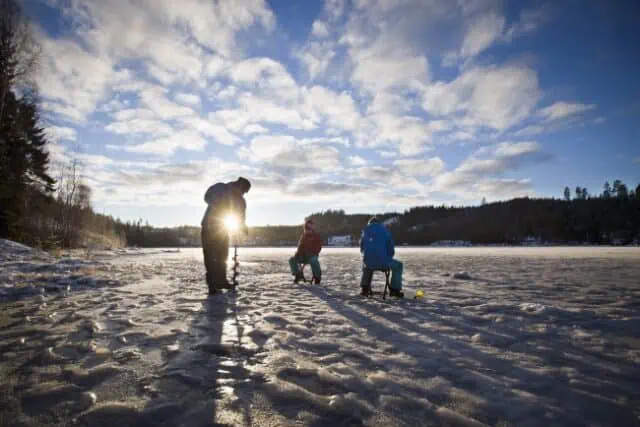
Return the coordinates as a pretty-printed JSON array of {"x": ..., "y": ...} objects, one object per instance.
[{"x": 366, "y": 106}]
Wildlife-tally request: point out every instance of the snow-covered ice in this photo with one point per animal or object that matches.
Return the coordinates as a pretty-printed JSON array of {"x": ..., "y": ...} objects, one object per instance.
[{"x": 529, "y": 336}]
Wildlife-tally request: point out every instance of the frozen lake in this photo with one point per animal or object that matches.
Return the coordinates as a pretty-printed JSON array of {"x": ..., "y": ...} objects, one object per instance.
[{"x": 529, "y": 336}]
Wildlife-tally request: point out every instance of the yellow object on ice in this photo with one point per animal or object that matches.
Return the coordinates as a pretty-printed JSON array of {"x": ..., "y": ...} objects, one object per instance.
[{"x": 419, "y": 293}]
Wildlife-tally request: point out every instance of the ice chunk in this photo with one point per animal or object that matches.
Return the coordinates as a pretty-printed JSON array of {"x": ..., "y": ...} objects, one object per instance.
[
  {"x": 172, "y": 348},
  {"x": 88, "y": 399},
  {"x": 532, "y": 307}
]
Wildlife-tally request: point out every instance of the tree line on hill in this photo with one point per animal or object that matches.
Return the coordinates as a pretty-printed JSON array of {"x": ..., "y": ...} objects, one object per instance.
[{"x": 610, "y": 217}]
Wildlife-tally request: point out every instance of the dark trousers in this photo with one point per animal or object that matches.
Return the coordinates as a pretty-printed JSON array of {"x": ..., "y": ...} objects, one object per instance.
[{"x": 215, "y": 248}]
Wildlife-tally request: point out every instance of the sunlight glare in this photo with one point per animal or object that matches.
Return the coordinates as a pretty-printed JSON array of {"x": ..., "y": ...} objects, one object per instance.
[{"x": 231, "y": 223}]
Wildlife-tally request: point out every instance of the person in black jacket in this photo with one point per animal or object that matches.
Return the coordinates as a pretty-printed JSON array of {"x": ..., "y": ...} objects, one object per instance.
[{"x": 226, "y": 205}]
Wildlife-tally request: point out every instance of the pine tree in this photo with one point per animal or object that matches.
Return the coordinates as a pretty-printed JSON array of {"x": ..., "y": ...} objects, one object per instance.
[
  {"x": 23, "y": 159},
  {"x": 606, "y": 194},
  {"x": 24, "y": 162}
]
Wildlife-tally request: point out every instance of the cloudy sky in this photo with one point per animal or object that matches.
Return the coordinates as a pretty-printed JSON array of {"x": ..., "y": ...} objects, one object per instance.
[{"x": 361, "y": 105}]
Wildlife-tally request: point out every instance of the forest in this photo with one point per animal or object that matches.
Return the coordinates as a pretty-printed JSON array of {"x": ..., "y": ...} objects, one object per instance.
[{"x": 612, "y": 217}]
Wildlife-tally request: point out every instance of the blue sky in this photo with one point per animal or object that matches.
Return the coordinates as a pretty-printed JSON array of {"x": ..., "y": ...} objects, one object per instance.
[{"x": 360, "y": 105}]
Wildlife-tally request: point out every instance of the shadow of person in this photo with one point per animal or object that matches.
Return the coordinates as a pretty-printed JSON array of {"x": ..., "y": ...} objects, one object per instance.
[
  {"x": 186, "y": 390},
  {"x": 206, "y": 382}
]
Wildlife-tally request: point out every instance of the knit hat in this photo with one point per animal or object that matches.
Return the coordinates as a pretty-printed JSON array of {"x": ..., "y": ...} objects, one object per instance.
[
  {"x": 244, "y": 184},
  {"x": 309, "y": 225}
]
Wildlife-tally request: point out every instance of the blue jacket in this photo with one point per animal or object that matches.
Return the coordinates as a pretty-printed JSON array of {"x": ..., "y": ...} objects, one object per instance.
[{"x": 377, "y": 246}]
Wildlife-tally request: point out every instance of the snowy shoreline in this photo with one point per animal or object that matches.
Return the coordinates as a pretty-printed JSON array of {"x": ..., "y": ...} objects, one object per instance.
[{"x": 130, "y": 338}]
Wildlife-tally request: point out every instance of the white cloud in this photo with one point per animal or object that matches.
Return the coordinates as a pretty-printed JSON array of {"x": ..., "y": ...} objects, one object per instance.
[
  {"x": 253, "y": 129},
  {"x": 483, "y": 31},
  {"x": 188, "y": 98},
  {"x": 357, "y": 161},
  {"x": 265, "y": 75},
  {"x": 316, "y": 57},
  {"x": 219, "y": 133},
  {"x": 387, "y": 154},
  {"x": 56, "y": 134},
  {"x": 504, "y": 188},
  {"x": 561, "y": 110},
  {"x": 389, "y": 103},
  {"x": 461, "y": 136},
  {"x": 133, "y": 113},
  {"x": 81, "y": 68},
  {"x": 319, "y": 29},
  {"x": 496, "y": 97},
  {"x": 154, "y": 99},
  {"x": 338, "y": 109},
  {"x": 160, "y": 74},
  {"x": 216, "y": 65},
  {"x": 185, "y": 140},
  {"x": 336, "y": 140},
  {"x": 420, "y": 167},
  {"x": 530, "y": 130},
  {"x": 483, "y": 171},
  {"x": 73, "y": 80},
  {"x": 139, "y": 126},
  {"x": 253, "y": 109},
  {"x": 286, "y": 154},
  {"x": 410, "y": 134},
  {"x": 530, "y": 20},
  {"x": 383, "y": 65}
]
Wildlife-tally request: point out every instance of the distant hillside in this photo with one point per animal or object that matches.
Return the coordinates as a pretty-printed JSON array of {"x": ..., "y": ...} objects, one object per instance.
[
  {"x": 593, "y": 220},
  {"x": 612, "y": 217}
]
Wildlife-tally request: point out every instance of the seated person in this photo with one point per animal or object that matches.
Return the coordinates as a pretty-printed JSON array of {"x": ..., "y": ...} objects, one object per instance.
[
  {"x": 309, "y": 248},
  {"x": 377, "y": 248}
]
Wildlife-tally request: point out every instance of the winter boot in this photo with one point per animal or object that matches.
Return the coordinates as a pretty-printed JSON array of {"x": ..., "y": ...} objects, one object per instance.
[
  {"x": 396, "y": 293},
  {"x": 366, "y": 292},
  {"x": 315, "y": 280},
  {"x": 211, "y": 284},
  {"x": 298, "y": 278},
  {"x": 223, "y": 284}
]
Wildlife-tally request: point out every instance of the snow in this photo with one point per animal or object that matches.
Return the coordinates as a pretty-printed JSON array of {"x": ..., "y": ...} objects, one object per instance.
[
  {"x": 529, "y": 336},
  {"x": 391, "y": 221}
]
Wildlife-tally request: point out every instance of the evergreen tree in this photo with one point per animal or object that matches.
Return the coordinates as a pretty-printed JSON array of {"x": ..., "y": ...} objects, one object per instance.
[
  {"x": 623, "y": 193},
  {"x": 567, "y": 194},
  {"x": 23, "y": 165},
  {"x": 616, "y": 187},
  {"x": 606, "y": 194},
  {"x": 23, "y": 159}
]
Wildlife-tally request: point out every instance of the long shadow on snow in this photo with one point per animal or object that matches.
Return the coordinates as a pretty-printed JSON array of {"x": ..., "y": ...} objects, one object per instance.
[
  {"x": 559, "y": 397},
  {"x": 193, "y": 384}
]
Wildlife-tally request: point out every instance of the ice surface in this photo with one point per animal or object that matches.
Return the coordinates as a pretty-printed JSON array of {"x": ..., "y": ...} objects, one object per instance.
[{"x": 529, "y": 336}]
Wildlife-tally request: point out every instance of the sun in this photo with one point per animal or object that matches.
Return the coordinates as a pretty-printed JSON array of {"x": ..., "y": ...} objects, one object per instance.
[{"x": 231, "y": 223}]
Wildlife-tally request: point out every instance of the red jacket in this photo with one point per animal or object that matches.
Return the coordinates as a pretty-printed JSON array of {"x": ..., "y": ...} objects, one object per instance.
[{"x": 310, "y": 244}]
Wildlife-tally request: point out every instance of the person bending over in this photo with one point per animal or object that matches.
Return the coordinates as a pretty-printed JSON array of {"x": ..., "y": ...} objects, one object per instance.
[{"x": 226, "y": 205}]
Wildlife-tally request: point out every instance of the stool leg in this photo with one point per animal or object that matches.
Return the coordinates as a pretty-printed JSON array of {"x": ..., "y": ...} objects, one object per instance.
[{"x": 386, "y": 285}]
